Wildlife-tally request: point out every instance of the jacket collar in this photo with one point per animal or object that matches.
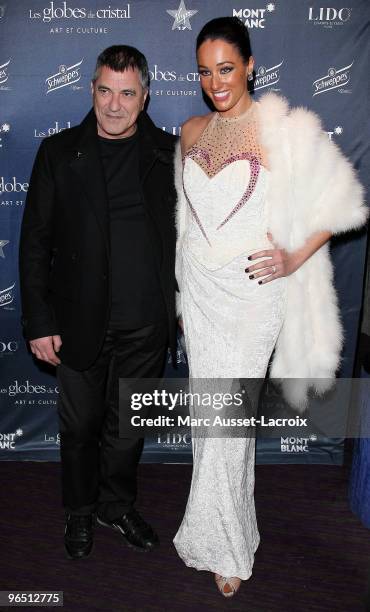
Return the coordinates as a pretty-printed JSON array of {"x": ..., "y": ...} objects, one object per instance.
[
  {"x": 87, "y": 165},
  {"x": 86, "y": 161},
  {"x": 150, "y": 135},
  {"x": 153, "y": 144}
]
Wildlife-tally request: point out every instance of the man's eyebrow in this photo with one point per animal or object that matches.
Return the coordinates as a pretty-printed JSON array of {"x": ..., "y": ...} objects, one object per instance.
[{"x": 128, "y": 89}]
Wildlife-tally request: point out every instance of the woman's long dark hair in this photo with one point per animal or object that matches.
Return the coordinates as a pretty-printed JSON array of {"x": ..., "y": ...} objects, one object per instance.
[{"x": 230, "y": 29}]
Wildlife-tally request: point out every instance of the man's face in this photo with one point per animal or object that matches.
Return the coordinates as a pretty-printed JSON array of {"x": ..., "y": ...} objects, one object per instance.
[{"x": 118, "y": 98}]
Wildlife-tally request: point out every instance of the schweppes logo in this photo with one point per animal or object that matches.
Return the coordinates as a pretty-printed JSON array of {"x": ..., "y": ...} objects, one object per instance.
[
  {"x": 332, "y": 80},
  {"x": 67, "y": 75}
]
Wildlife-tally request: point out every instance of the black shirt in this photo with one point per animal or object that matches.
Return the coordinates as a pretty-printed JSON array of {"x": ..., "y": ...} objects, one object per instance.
[{"x": 136, "y": 293}]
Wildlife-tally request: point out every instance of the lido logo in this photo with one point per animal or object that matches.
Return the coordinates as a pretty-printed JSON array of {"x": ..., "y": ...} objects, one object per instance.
[
  {"x": 174, "y": 439},
  {"x": 333, "y": 80},
  {"x": 329, "y": 16},
  {"x": 9, "y": 347},
  {"x": 67, "y": 75}
]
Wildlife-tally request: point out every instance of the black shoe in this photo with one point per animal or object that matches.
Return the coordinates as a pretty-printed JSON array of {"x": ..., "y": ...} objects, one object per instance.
[
  {"x": 136, "y": 532},
  {"x": 79, "y": 535}
]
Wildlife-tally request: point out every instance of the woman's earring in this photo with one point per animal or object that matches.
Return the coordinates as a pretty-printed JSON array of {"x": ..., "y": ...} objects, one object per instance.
[{"x": 250, "y": 76}]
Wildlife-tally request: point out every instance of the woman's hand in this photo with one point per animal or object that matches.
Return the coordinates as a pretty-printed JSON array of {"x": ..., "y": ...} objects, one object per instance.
[{"x": 280, "y": 262}]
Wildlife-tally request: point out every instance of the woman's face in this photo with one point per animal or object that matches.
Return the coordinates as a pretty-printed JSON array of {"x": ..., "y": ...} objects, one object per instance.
[{"x": 223, "y": 76}]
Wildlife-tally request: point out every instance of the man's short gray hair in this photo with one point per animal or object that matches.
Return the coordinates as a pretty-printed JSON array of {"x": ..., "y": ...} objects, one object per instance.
[{"x": 120, "y": 58}]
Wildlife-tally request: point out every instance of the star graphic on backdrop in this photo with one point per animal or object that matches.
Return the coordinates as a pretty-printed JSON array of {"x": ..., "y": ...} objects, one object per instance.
[
  {"x": 181, "y": 17},
  {"x": 338, "y": 130},
  {"x": 270, "y": 7},
  {"x": 5, "y": 127},
  {"x": 19, "y": 432},
  {"x": 2, "y": 244}
]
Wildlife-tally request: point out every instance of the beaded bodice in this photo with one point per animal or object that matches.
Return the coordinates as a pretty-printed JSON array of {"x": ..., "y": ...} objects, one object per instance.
[
  {"x": 225, "y": 180},
  {"x": 226, "y": 139}
]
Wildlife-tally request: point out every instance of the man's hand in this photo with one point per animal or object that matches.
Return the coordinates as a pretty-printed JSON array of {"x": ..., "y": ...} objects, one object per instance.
[{"x": 45, "y": 349}]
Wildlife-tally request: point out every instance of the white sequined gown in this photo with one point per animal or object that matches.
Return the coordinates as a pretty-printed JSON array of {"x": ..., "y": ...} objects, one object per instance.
[{"x": 231, "y": 324}]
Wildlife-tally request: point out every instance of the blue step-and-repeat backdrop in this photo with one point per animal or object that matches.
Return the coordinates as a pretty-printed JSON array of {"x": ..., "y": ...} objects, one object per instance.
[{"x": 314, "y": 53}]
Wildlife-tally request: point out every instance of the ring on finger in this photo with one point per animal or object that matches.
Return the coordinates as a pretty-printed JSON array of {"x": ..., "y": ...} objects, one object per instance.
[{"x": 274, "y": 269}]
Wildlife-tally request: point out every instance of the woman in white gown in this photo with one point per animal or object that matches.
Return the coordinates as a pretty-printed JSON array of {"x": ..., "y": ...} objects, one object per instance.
[{"x": 231, "y": 311}]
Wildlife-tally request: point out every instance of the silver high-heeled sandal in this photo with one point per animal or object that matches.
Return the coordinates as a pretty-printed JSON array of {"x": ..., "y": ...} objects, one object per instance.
[{"x": 233, "y": 583}]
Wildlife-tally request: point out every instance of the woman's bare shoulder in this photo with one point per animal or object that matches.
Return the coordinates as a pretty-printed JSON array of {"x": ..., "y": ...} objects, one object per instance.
[{"x": 192, "y": 129}]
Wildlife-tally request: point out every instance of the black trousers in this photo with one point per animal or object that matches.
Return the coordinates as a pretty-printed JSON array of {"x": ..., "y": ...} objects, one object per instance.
[{"x": 98, "y": 467}]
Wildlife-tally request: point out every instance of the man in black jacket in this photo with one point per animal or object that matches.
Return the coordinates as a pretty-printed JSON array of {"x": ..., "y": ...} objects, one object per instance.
[{"x": 97, "y": 256}]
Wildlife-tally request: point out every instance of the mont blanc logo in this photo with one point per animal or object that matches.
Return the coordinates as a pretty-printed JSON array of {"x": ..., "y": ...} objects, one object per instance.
[
  {"x": 267, "y": 77},
  {"x": 67, "y": 75},
  {"x": 9, "y": 440},
  {"x": 63, "y": 10},
  {"x": 254, "y": 17},
  {"x": 295, "y": 445},
  {"x": 332, "y": 80},
  {"x": 337, "y": 131},
  {"x": 4, "y": 72},
  {"x": 329, "y": 16},
  {"x": 12, "y": 185},
  {"x": 8, "y": 347},
  {"x": 7, "y": 295},
  {"x": 181, "y": 17}
]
